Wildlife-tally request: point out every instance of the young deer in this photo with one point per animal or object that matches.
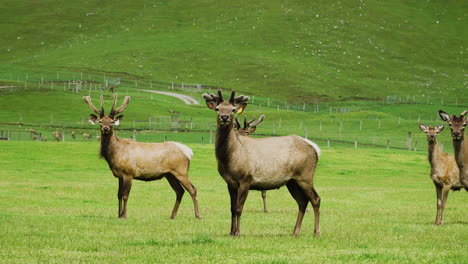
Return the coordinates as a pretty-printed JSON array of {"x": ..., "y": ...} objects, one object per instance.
[
  {"x": 460, "y": 146},
  {"x": 247, "y": 163},
  {"x": 248, "y": 128},
  {"x": 130, "y": 160},
  {"x": 444, "y": 170}
]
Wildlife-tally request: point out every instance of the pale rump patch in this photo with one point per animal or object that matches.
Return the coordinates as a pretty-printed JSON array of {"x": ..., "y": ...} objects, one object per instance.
[
  {"x": 186, "y": 150},
  {"x": 316, "y": 147}
]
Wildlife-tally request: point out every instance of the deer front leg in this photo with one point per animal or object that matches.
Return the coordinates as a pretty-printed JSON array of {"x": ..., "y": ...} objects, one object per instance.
[
  {"x": 119, "y": 196},
  {"x": 127, "y": 185},
  {"x": 445, "y": 192},
  {"x": 233, "y": 196},
  {"x": 242, "y": 193},
  {"x": 439, "y": 204}
]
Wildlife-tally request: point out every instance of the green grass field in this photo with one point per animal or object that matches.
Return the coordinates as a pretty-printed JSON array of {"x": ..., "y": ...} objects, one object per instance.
[{"x": 59, "y": 205}]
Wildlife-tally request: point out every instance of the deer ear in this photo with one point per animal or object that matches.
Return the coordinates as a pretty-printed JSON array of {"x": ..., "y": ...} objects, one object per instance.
[
  {"x": 93, "y": 119},
  {"x": 240, "y": 108},
  {"x": 440, "y": 128},
  {"x": 422, "y": 127},
  {"x": 444, "y": 116},
  {"x": 117, "y": 120}
]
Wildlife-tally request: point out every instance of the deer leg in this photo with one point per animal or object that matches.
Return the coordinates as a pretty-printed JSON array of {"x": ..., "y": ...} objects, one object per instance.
[
  {"x": 445, "y": 192},
  {"x": 120, "y": 195},
  {"x": 302, "y": 202},
  {"x": 265, "y": 209},
  {"x": 127, "y": 185},
  {"x": 233, "y": 196},
  {"x": 184, "y": 181},
  {"x": 243, "y": 191},
  {"x": 179, "y": 193},
  {"x": 314, "y": 198},
  {"x": 439, "y": 204}
]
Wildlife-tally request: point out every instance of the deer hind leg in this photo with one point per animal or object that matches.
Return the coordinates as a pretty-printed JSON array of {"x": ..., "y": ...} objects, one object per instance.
[
  {"x": 439, "y": 204},
  {"x": 179, "y": 193},
  {"x": 265, "y": 209},
  {"x": 302, "y": 201},
  {"x": 126, "y": 187},
  {"x": 184, "y": 181},
  {"x": 314, "y": 198}
]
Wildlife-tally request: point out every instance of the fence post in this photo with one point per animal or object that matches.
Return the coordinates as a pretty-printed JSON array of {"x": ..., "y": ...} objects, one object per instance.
[
  {"x": 388, "y": 143},
  {"x": 328, "y": 142},
  {"x": 408, "y": 141}
]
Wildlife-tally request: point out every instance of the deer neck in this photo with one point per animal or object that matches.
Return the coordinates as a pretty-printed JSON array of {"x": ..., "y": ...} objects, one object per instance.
[
  {"x": 460, "y": 148},
  {"x": 433, "y": 151},
  {"x": 225, "y": 143},
  {"x": 108, "y": 142}
]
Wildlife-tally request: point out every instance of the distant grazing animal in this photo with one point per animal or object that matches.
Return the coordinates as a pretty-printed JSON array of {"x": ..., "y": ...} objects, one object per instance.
[
  {"x": 130, "y": 160},
  {"x": 87, "y": 136},
  {"x": 57, "y": 136},
  {"x": 444, "y": 170},
  {"x": 73, "y": 135},
  {"x": 111, "y": 88},
  {"x": 248, "y": 128},
  {"x": 262, "y": 163},
  {"x": 460, "y": 145}
]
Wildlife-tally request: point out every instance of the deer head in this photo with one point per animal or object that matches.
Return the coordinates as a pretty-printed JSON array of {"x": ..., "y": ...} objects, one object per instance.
[
  {"x": 106, "y": 121},
  {"x": 226, "y": 109},
  {"x": 457, "y": 124},
  {"x": 431, "y": 132},
  {"x": 249, "y": 127}
]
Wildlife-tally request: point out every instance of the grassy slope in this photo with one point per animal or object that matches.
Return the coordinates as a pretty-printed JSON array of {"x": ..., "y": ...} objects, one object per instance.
[
  {"x": 322, "y": 50},
  {"x": 63, "y": 208}
]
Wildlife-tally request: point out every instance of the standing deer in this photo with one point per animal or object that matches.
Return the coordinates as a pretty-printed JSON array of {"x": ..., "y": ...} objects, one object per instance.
[
  {"x": 87, "y": 135},
  {"x": 57, "y": 136},
  {"x": 247, "y": 163},
  {"x": 248, "y": 128},
  {"x": 444, "y": 170},
  {"x": 73, "y": 135},
  {"x": 130, "y": 160},
  {"x": 460, "y": 145}
]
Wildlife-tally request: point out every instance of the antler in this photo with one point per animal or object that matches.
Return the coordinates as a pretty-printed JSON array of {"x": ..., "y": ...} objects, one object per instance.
[
  {"x": 114, "y": 112},
  {"x": 464, "y": 113},
  {"x": 239, "y": 99},
  {"x": 254, "y": 124},
  {"x": 87, "y": 100}
]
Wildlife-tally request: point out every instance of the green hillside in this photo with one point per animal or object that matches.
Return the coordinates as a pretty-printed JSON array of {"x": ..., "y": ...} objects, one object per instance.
[{"x": 315, "y": 51}]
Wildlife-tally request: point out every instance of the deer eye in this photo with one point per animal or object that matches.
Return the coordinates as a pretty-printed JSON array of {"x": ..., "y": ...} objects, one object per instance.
[
  {"x": 233, "y": 110},
  {"x": 216, "y": 109}
]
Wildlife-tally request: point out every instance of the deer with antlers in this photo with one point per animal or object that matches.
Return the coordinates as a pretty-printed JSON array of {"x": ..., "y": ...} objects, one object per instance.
[
  {"x": 444, "y": 170},
  {"x": 247, "y": 163},
  {"x": 460, "y": 145},
  {"x": 129, "y": 160},
  {"x": 248, "y": 128}
]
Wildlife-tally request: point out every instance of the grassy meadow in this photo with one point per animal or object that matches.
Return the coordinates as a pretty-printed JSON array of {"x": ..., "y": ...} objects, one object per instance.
[{"x": 59, "y": 205}]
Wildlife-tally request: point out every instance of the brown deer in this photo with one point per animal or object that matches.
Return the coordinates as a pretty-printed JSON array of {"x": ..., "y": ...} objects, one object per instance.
[
  {"x": 248, "y": 128},
  {"x": 460, "y": 145},
  {"x": 247, "y": 163},
  {"x": 73, "y": 135},
  {"x": 57, "y": 136},
  {"x": 87, "y": 136},
  {"x": 130, "y": 160},
  {"x": 444, "y": 170}
]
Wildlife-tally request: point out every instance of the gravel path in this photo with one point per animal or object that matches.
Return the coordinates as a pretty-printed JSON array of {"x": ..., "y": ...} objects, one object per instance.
[{"x": 187, "y": 99}]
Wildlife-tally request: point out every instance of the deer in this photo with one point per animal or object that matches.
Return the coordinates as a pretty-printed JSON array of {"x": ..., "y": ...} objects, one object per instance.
[
  {"x": 457, "y": 126},
  {"x": 248, "y": 128},
  {"x": 130, "y": 160},
  {"x": 87, "y": 135},
  {"x": 247, "y": 163},
  {"x": 57, "y": 136},
  {"x": 444, "y": 170},
  {"x": 73, "y": 135}
]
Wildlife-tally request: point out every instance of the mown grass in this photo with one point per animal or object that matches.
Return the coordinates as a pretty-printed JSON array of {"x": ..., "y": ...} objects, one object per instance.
[{"x": 378, "y": 206}]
